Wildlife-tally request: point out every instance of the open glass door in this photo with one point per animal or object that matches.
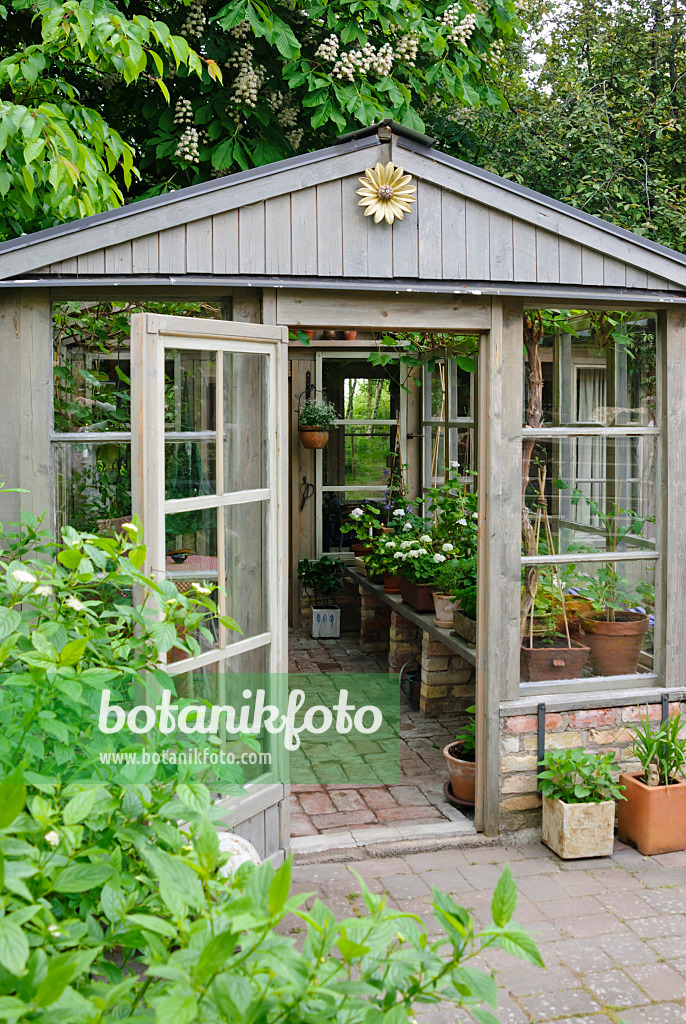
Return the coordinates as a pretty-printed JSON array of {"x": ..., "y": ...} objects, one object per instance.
[{"x": 209, "y": 483}]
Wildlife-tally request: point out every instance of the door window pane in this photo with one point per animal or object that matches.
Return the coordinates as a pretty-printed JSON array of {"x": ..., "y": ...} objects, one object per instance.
[
  {"x": 247, "y": 573},
  {"x": 189, "y": 468},
  {"x": 189, "y": 390},
  {"x": 359, "y": 455},
  {"x": 246, "y": 412}
]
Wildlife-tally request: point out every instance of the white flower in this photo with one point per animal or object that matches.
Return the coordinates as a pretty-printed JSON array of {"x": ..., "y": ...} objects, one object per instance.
[
  {"x": 52, "y": 838},
  {"x": 475, "y": 515},
  {"x": 130, "y": 526},
  {"x": 399, "y": 512},
  {"x": 389, "y": 544},
  {"x": 73, "y": 602},
  {"x": 454, "y": 465},
  {"x": 357, "y": 513},
  {"x": 425, "y": 538},
  {"x": 22, "y": 576},
  {"x": 439, "y": 558},
  {"x": 413, "y": 554},
  {"x": 462, "y": 522},
  {"x": 43, "y": 591},
  {"x": 200, "y": 589},
  {"x": 407, "y": 526},
  {"x": 447, "y": 547},
  {"x": 405, "y": 544},
  {"x": 422, "y": 551},
  {"x": 400, "y": 554}
]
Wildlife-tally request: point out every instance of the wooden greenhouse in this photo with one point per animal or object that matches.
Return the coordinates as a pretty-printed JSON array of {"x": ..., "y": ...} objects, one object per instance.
[{"x": 249, "y": 259}]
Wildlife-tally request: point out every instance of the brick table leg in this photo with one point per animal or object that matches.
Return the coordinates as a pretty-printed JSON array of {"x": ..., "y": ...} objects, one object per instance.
[{"x": 447, "y": 679}]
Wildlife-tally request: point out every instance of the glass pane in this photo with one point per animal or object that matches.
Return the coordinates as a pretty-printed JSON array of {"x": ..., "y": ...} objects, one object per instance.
[
  {"x": 246, "y": 421},
  {"x": 610, "y": 613},
  {"x": 191, "y": 562},
  {"x": 93, "y": 485},
  {"x": 189, "y": 469},
  {"x": 189, "y": 390},
  {"x": 461, "y": 450},
  {"x": 360, "y": 391},
  {"x": 337, "y": 532},
  {"x": 593, "y": 493},
  {"x": 359, "y": 455},
  {"x": 602, "y": 375},
  {"x": 247, "y": 575}
]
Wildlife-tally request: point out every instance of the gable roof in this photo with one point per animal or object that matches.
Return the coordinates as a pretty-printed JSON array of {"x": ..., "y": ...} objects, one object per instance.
[{"x": 299, "y": 219}]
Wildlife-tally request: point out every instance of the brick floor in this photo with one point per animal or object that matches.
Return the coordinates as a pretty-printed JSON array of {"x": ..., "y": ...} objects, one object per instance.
[
  {"x": 416, "y": 799},
  {"x": 619, "y": 972}
]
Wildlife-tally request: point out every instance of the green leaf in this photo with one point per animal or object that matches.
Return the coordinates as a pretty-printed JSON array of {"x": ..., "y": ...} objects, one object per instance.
[
  {"x": 14, "y": 946},
  {"x": 62, "y": 970},
  {"x": 279, "y": 887},
  {"x": 153, "y": 924},
  {"x": 80, "y": 806},
  {"x": 215, "y": 954},
  {"x": 12, "y": 797},
  {"x": 11, "y": 1009},
  {"x": 504, "y": 898},
  {"x": 519, "y": 943},
  {"x": 176, "y": 1009},
  {"x": 81, "y": 876},
  {"x": 72, "y": 652}
]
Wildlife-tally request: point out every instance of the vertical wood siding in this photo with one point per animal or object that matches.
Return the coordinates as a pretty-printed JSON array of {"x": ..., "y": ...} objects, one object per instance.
[{"x": 321, "y": 230}]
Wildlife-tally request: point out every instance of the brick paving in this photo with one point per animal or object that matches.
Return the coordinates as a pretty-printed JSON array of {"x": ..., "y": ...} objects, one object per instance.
[
  {"x": 612, "y": 931},
  {"x": 418, "y": 797}
]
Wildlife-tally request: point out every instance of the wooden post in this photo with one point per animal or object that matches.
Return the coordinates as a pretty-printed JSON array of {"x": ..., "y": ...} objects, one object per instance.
[
  {"x": 10, "y": 349},
  {"x": 499, "y": 565},
  {"x": 670, "y": 612}
]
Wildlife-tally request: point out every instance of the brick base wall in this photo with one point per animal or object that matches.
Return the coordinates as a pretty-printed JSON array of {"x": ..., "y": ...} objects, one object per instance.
[
  {"x": 405, "y": 643},
  {"x": 596, "y": 729},
  {"x": 447, "y": 680},
  {"x": 375, "y": 619}
]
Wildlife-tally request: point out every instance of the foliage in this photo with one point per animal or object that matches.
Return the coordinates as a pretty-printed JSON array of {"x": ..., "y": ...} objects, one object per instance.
[
  {"x": 467, "y": 735},
  {"x": 89, "y": 882},
  {"x": 317, "y": 413},
  {"x": 579, "y": 777},
  {"x": 68, "y": 631},
  {"x": 62, "y": 154},
  {"x": 596, "y": 112},
  {"x": 321, "y": 579},
  {"x": 660, "y": 745},
  {"x": 457, "y": 575},
  {"x": 96, "y": 103},
  {"x": 364, "y": 519},
  {"x": 452, "y": 510},
  {"x": 412, "y": 350}
]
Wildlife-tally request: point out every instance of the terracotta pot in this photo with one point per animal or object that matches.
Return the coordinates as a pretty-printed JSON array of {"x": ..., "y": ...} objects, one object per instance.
[
  {"x": 579, "y": 830},
  {"x": 464, "y": 627},
  {"x": 313, "y": 437},
  {"x": 443, "y": 604},
  {"x": 329, "y": 335},
  {"x": 573, "y": 606},
  {"x": 615, "y": 646},
  {"x": 360, "y": 549},
  {"x": 652, "y": 818},
  {"x": 462, "y": 774},
  {"x": 349, "y": 335},
  {"x": 309, "y": 331},
  {"x": 391, "y": 583},
  {"x": 418, "y": 595},
  {"x": 552, "y": 661}
]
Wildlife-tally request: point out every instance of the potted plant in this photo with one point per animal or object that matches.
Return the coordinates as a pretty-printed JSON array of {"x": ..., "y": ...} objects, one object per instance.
[
  {"x": 547, "y": 652},
  {"x": 418, "y": 575},
  {"x": 364, "y": 520},
  {"x": 653, "y": 819},
  {"x": 579, "y": 794},
  {"x": 321, "y": 580},
  {"x": 460, "y": 756},
  {"x": 315, "y": 419},
  {"x": 456, "y": 581}
]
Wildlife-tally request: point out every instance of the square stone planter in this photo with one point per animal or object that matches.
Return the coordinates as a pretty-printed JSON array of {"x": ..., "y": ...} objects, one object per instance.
[
  {"x": 653, "y": 818},
  {"x": 464, "y": 627},
  {"x": 326, "y": 622},
  {"x": 579, "y": 830}
]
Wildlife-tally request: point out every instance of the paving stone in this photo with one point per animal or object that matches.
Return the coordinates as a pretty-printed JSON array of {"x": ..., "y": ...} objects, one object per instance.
[
  {"x": 659, "y": 981},
  {"x": 571, "y": 906},
  {"x": 661, "y": 1013},
  {"x": 342, "y": 820},
  {"x": 568, "y": 1003},
  {"x": 317, "y": 803},
  {"x": 438, "y": 860},
  {"x": 448, "y": 880},
  {"x": 577, "y": 954},
  {"x": 408, "y": 795},
  {"x": 616, "y": 877},
  {"x": 405, "y": 886},
  {"x": 626, "y": 905},
  {"x": 526, "y": 981},
  {"x": 667, "y": 947},
  {"x": 580, "y": 884},
  {"x": 347, "y": 800},
  {"x": 613, "y": 988},
  {"x": 663, "y": 924},
  {"x": 530, "y": 866},
  {"x": 482, "y": 876},
  {"x": 626, "y": 949},
  {"x": 591, "y": 926},
  {"x": 664, "y": 901},
  {"x": 378, "y": 867},
  {"x": 302, "y": 826}
]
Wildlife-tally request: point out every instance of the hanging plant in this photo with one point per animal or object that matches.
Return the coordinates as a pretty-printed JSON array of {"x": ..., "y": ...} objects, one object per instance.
[{"x": 315, "y": 419}]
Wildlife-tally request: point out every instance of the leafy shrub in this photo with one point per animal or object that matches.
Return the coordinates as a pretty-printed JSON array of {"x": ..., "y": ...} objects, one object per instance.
[
  {"x": 579, "y": 777},
  {"x": 467, "y": 735},
  {"x": 660, "y": 745},
  {"x": 319, "y": 414},
  {"x": 321, "y": 579}
]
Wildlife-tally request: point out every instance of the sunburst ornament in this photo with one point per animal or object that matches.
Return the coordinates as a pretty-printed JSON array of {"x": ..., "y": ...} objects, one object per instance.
[{"x": 386, "y": 192}]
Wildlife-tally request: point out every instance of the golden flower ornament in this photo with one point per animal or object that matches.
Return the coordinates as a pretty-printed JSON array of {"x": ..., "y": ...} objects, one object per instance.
[{"x": 386, "y": 192}]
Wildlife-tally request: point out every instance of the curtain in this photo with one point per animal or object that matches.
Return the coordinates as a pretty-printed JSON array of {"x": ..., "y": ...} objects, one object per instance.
[{"x": 591, "y": 400}]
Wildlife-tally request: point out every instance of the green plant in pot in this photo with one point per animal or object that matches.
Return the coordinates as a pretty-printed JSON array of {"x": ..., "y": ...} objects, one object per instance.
[
  {"x": 316, "y": 417},
  {"x": 420, "y": 564},
  {"x": 456, "y": 578},
  {"x": 612, "y": 628},
  {"x": 385, "y": 559},
  {"x": 460, "y": 756},
  {"x": 579, "y": 793},
  {"x": 548, "y": 651},
  {"x": 321, "y": 580},
  {"x": 653, "y": 819}
]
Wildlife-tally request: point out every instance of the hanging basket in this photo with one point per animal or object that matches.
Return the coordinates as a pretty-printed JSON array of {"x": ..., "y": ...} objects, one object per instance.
[{"x": 313, "y": 437}]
